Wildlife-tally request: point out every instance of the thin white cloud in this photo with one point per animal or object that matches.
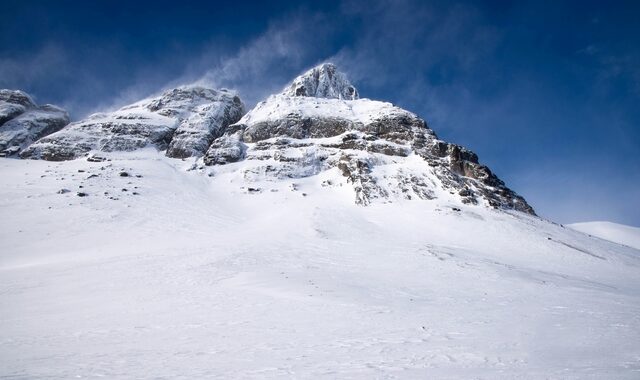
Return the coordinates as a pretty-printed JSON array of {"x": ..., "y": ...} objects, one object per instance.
[
  {"x": 261, "y": 67},
  {"x": 267, "y": 63}
]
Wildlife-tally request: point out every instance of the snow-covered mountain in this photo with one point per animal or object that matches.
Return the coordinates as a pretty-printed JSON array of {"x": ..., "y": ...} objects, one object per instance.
[
  {"x": 248, "y": 257},
  {"x": 317, "y": 124},
  {"x": 383, "y": 151},
  {"x": 22, "y": 121}
]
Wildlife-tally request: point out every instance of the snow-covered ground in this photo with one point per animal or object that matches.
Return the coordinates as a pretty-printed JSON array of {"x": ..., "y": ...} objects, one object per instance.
[
  {"x": 192, "y": 274},
  {"x": 618, "y": 233}
]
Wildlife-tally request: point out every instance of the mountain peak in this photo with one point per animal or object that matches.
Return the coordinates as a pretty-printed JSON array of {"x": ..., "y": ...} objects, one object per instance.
[{"x": 322, "y": 81}]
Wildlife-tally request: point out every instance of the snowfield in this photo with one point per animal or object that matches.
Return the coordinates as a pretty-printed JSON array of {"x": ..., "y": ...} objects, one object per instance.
[
  {"x": 191, "y": 273},
  {"x": 617, "y": 233}
]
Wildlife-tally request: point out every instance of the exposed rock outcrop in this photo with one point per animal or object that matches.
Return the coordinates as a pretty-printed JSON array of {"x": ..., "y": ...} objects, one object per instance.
[
  {"x": 209, "y": 121},
  {"x": 323, "y": 81},
  {"x": 227, "y": 148},
  {"x": 183, "y": 120},
  {"x": 23, "y": 122}
]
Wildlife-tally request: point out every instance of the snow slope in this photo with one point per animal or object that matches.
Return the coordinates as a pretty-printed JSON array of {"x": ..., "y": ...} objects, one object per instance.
[
  {"x": 197, "y": 275},
  {"x": 617, "y": 233}
]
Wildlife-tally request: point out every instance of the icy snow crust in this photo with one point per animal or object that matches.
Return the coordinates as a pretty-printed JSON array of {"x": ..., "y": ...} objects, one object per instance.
[{"x": 193, "y": 273}]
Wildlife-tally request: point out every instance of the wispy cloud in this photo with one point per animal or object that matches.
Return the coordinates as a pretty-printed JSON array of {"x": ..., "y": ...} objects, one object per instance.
[
  {"x": 256, "y": 69},
  {"x": 269, "y": 61},
  {"x": 423, "y": 55},
  {"x": 47, "y": 64}
]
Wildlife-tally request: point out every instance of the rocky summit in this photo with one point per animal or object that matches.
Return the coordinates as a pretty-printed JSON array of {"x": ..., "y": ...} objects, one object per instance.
[
  {"x": 23, "y": 122},
  {"x": 324, "y": 81},
  {"x": 317, "y": 124}
]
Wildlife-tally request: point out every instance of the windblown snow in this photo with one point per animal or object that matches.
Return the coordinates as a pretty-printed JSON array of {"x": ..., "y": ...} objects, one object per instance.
[{"x": 150, "y": 267}]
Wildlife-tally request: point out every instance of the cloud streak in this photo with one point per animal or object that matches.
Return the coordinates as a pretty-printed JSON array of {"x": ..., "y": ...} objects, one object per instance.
[{"x": 267, "y": 63}]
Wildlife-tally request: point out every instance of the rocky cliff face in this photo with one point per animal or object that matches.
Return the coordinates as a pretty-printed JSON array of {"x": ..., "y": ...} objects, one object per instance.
[
  {"x": 23, "y": 122},
  {"x": 183, "y": 121}
]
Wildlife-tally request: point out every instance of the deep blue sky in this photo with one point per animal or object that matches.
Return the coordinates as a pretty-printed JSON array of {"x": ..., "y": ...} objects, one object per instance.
[{"x": 547, "y": 93}]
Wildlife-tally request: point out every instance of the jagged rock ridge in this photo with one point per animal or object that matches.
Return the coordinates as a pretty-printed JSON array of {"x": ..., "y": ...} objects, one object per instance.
[
  {"x": 183, "y": 121},
  {"x": 23, "y": 122}
]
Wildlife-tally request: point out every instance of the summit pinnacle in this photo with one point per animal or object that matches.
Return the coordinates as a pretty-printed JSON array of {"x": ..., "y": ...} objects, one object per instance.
[{"x": 323, "y": 81}]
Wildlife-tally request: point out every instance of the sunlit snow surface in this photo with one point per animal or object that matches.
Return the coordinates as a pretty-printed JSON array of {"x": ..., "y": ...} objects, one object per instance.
[
  {"x": 199, "y": 276},
  {"x": 614, "y": 232}
]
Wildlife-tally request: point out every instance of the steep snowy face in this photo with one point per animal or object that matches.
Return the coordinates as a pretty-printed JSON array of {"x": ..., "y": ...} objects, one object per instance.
[
  {"x": 379, "y": 150},
  {"x": 183, "y": 120},
  {"x": 23, "y": 122},
  {"x": 323, "y": 81}
]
